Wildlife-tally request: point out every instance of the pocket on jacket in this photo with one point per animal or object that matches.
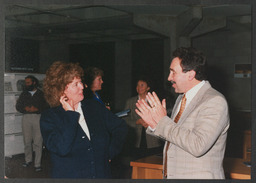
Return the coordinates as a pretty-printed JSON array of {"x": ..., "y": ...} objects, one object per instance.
[{"x": 197, "y": 175}]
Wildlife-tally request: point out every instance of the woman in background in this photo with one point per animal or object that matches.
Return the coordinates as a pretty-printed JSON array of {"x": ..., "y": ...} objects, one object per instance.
[
  {"x": 138, "y": 144},
  {"x": 81, "y": 135},
  {"x": 141, "y": 143},
  {"x": 93, "y": 82}
]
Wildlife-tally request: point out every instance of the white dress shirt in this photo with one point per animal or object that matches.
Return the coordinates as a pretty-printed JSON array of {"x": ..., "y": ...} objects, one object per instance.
[
  {"x": 190, "y": 95},
  {"x": 82, "y": 121}
]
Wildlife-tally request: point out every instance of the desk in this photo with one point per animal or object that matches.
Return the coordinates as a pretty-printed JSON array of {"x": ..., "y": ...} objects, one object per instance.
[
  {"x": 151, "y": 168},
  {"x": 235, "y": 169},
  {"x": 247, "y": 145},
  {"x": 148, "y": 168}
]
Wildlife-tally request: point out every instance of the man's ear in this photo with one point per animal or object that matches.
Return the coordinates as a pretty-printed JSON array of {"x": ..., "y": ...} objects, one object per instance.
[{"x": 191, "y": 75}]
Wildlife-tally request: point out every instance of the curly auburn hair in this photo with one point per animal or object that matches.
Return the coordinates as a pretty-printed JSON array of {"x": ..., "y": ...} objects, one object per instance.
[{"x": 58, "y": 76}]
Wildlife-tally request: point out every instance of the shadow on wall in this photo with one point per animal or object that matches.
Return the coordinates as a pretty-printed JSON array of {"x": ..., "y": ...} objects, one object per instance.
[
  {"x": 238, "y": 124},
  {"x": 216, "y": 77}
]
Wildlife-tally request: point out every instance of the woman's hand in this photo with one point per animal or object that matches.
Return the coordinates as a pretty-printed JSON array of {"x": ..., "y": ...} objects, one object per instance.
[{"x": 66, "y": 103}]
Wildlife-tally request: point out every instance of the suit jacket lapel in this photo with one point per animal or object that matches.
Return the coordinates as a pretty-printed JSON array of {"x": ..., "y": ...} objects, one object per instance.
[
  {"x": 194, "y": 102},
  {"x": 87, "y": 120},
  {"x": 173, "y": 116},
  {"x": 176, "y": 106}
]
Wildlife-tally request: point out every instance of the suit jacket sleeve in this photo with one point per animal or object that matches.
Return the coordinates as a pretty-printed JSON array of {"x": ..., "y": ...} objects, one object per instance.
[
  {"x": 209, "y": 122},
  {"x": 132, "y": 115},
  {"x": 41, "y": 103},
  {"x": 117, "y": 129},
  {"x": 59, "y": 129},
  {"x": 20, "y": 103}
]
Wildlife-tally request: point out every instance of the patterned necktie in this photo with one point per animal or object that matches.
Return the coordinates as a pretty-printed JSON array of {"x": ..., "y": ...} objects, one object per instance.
[{"x": 176, "y": 119}]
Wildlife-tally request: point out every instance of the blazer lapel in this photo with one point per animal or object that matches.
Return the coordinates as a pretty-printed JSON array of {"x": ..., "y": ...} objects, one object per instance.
[
  {"x": 195, "y": 101},
  {"x": 172, "y": 116},
  {"x": 176, "y": 106},
  {"x": 87, "y": 120}
]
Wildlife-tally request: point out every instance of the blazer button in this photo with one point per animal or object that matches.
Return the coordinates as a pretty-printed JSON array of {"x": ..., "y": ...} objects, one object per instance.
[{"x": 83, "y": 137}]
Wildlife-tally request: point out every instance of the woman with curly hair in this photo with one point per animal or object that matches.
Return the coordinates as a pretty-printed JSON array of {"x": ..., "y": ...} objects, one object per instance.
[{"x": 81, "y": 134}]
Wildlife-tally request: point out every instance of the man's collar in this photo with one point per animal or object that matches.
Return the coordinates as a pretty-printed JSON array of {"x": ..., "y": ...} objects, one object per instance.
[{"x": 192, "y": 92}]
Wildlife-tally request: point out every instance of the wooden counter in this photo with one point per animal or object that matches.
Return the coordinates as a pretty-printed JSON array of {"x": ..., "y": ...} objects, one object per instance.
[
  {"x": 247, "y": 145},
  {"x": 148, "y": 168},
  {"x": 236, "y": 169},
  {"x": 151, "y": 168}
]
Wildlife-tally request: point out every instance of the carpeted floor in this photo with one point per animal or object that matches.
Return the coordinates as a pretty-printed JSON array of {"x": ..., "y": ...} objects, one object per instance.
[{"x": 14, "y": 168}]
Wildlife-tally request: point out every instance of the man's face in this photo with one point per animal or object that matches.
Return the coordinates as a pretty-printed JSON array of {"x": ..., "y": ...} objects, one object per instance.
[
  {"x": 29, "y": 85},
  {"x": 178, "y": 78}
]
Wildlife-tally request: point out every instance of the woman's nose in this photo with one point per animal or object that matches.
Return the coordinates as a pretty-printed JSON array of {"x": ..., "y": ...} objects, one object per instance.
[{"x": 82, "y": 86}]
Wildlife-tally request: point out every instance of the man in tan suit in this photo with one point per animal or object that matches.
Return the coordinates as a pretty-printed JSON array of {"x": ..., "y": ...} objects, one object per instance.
[{"x": 197, "y": 130}]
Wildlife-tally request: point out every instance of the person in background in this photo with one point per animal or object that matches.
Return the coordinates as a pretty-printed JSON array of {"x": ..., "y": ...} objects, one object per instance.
[
  {"x": 141, "y": 143},
  {"x": 81, "y": 134},
  {"x": 93, "y": 82},
  {"x": 196, "y": 132},
  {"x": 31, "y": 103}
]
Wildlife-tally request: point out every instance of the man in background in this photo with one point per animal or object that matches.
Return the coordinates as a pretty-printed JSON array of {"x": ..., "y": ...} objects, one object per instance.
[
  {"x": 31, "y": 103},
  {"x": 196, "y": 132}
]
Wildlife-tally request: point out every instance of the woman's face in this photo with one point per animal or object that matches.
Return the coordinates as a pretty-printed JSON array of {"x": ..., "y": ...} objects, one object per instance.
[
  {"x": 74, "y": 91},
  {"x": 96, "y": 84},
  {"x": 142, "y": 88}
]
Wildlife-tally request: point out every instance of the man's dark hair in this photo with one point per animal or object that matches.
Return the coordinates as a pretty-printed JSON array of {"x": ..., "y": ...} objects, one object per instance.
[
  {"x": 33, "y": 79},
  {"x": 192, "y": 59}
]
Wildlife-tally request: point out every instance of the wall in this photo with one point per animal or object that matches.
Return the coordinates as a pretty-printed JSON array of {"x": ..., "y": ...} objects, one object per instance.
[
  {"x": 50, "y": 51},
  {"x": 224, "y": 49},
  {"x": 123, "y": 72}
]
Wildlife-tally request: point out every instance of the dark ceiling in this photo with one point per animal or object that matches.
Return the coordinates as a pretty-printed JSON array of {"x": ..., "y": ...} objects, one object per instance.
[{"x": 97, "y": 23}]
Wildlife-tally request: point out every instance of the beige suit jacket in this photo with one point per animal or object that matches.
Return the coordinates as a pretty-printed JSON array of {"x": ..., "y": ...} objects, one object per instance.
[
  {"x": 198, "y": 140},
  {"x": 131, "y": 121}
]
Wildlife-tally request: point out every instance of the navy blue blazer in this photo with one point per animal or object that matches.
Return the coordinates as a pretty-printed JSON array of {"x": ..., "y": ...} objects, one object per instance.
[{"x": 73, "y": 155}]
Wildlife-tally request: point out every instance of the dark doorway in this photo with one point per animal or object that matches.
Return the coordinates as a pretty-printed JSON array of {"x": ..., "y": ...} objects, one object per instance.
[
  {"x": 22, "y": 55},
  {"x": 101, "y": 55},
  {"x": 147, "y": 60}
]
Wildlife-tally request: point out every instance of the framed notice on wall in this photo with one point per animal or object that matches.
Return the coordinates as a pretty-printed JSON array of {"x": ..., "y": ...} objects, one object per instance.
[{"x": 243, "y": 70}]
